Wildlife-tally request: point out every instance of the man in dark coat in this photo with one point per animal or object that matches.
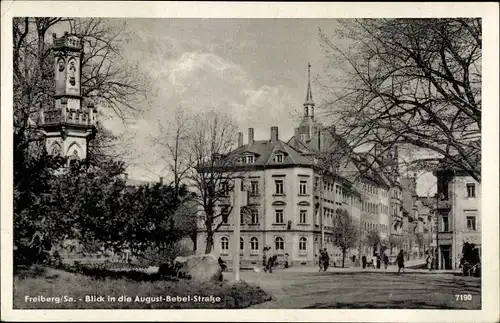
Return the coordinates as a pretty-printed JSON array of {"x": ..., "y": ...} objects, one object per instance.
[
  {"x": 363, "y": 260},
  {"x": 401, "y": 261}
]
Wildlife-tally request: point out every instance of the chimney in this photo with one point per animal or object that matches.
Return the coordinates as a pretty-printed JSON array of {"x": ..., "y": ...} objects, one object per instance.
[
  {"x": 297, "y": 137},
  {"x": 274, "y": 134},
  {"x": 250, "y": 136},
  {"x": 240, "y": 139},
  {"x": 161, "y": 180}
]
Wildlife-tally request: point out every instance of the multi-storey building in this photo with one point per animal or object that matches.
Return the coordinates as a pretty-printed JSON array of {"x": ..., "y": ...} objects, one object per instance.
[
  {"x": 283, "y": 203},
  {"x": 296, "y": 190},
  {"x": 458, "y": 214}
]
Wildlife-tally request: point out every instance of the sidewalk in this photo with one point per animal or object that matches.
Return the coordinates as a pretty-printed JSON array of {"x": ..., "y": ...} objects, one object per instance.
[{"x": 391, "y": 268}]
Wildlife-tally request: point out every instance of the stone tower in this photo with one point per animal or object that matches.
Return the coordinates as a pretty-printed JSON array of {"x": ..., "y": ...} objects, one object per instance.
[{"x": 68, "y": 125}]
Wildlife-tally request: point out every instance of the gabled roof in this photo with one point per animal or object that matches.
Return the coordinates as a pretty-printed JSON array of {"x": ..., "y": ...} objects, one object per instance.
[{"x": 265, "y": 150}]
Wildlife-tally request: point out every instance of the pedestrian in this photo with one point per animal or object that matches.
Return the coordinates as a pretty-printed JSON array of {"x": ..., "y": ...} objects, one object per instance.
[
  {"x": 321, "y": 259},
  {"x": 363, "y": 261},
  {"x": 428, "y": 261},
  {"x": 401, "y": 261},
  {"x": 264, "y": 257},
  {"x": 379, "y": 261},
  {"x": 286, "y": 260},
  {"x": 374, "y": 260},
  {"x": 270, "y": 264},
  {"x": 326, "y": 259},
  {"x": 386, "y": 261}
]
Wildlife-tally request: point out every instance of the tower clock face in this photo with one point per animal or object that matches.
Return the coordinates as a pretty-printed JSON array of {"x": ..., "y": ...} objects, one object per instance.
[{"x": 61, "y": 65}]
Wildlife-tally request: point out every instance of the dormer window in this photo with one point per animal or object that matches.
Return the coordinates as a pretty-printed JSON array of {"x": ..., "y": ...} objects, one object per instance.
[
  {"x": 278, "y": 158},
  {"x": 247, "y": 159},
  {"x": 303, "y": 137}
]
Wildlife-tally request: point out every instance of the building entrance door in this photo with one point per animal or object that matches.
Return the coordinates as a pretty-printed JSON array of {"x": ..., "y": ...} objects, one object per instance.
[{"x": 446, "y": 257}]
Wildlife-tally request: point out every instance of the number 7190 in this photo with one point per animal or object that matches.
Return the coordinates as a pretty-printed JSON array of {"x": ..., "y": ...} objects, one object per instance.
[{"x": 463, "y": 297}]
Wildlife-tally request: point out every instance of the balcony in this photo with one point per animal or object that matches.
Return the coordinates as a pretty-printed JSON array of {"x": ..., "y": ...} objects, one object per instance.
[{"x": 84, "y": 117}]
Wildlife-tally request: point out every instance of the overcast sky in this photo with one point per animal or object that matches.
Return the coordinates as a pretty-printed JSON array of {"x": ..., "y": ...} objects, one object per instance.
[{"x": 256, "y": 69}]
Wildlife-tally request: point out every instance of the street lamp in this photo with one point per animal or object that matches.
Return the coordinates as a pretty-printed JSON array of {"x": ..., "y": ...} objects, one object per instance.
[{"x": 438, "y": 197}]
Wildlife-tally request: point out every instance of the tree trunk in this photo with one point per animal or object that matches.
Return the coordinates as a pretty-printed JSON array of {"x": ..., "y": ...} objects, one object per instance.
[
  {"x": 210, "y": 241},
  {"x": 343, "y": 257}
]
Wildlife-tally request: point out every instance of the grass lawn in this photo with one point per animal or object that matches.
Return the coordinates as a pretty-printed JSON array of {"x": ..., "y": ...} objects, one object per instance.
[{"x": 56, "y": 289}]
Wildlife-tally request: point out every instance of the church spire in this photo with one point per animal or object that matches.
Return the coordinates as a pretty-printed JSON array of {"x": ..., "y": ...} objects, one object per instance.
[{"x": 309, "y": 104}]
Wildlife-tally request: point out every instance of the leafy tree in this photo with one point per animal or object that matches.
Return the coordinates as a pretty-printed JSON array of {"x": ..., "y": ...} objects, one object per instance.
[
  {"x": 345, "y": 232},
  {"x": 414, "y": 83}
]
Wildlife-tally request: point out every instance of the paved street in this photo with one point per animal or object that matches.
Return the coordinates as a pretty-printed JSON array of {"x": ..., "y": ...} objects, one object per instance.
[{"x": 352, "y": 288}]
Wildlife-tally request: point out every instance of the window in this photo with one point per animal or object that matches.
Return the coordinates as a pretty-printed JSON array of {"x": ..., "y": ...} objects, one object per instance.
[
  {"x": 250, "y": 159},
  {"x": 255, "y": 216},
  {"x": 224, "y": 244},
  {"x": 225, "y": 188},
  {"x": 279, "y": 186},
  {"x": 279, "y": 244},
  {"x": 254, "y": 245},
  {"x": 471, "y": 190},
  {"x": 471, "y": 223},
  {"x": 303, "y": 216},
  {"x": 242, "y": 218},
  {"x": 242, "y": 244},
  {"x": 279, "y": 216},
  {"x": 303, "y": 188},
  {"x": 225, "y": 214},
  {"x": 445, "y": 223},
  {"x": 303, "y": 244},
  {"x": 278, "y": 158},
  {"x": 254, "y": 188}
]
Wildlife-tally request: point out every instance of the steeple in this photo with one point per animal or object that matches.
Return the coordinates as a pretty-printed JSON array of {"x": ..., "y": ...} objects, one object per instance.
[{"x": 309, "y": 104}]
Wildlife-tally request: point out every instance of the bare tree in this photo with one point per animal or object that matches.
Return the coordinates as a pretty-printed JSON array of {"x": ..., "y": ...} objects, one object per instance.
[
  {"x": 345, "y": 232},
  {"x": 211, "y": 144},
  {"x": 372, "y": 238},
  {"x": 414, "y": 83},
  {"x": 174, "y": 146}
]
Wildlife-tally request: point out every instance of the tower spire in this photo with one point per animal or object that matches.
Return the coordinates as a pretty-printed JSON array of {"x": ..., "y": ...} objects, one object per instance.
[{"x": 309, "y": 104}]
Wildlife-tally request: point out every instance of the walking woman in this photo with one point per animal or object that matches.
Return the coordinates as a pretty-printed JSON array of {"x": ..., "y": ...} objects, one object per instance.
[{"x": 401, "y": 261}]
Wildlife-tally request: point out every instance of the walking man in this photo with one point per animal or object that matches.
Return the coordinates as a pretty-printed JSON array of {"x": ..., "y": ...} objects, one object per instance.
[
  {"x": 363, "y": 261},
  {"x": 326, "y": 259},
  {"x": 401, "y": 261}
]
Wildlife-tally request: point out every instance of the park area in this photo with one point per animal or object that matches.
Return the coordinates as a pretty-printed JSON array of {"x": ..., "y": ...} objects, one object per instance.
[
  {"x": 67, "y": 290},
  {"x": 355, "y": 289}
]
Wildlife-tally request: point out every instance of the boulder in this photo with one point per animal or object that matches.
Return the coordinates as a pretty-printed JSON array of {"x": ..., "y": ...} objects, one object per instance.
[{"x": 202, "y": 268}]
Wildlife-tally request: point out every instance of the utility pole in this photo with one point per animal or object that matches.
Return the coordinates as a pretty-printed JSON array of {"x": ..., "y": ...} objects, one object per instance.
[
  {"x": 437, "y": 231},
  {"x": 238, "y": 201}
]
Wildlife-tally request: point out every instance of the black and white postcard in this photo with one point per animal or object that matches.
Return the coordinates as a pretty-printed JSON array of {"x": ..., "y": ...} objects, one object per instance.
[{"x": 267, "y": 161}]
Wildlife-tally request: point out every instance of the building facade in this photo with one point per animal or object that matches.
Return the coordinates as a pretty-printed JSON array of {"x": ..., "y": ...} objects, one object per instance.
[
  {"x": 295, "y": 193},
  {"x": 458, "y": 215}
]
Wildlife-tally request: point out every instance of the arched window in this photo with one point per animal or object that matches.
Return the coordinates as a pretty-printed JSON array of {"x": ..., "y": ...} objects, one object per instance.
[
  {"x": 279, "y": 244},
  {"x": 242, "y": 243},
  {"x": 224, "y": 244},
  {"x": 303, "y": 244},
  {"x": 254, "y": 244}
]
